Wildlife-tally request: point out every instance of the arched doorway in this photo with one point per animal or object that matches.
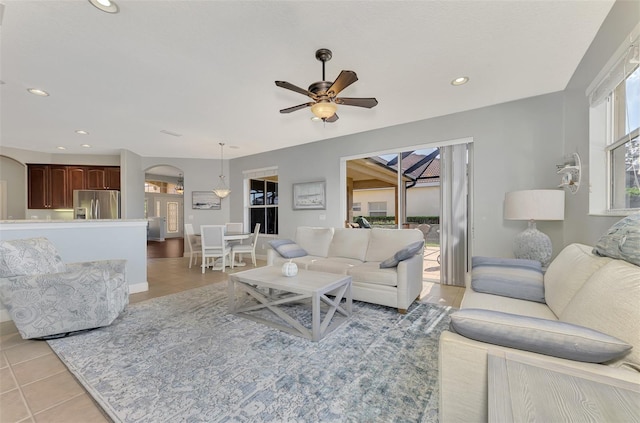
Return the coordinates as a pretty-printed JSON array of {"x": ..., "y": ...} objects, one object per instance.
[{"x": 164, "y": 208}]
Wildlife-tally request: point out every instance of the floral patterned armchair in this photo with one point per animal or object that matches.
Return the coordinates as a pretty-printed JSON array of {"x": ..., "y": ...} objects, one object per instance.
[{"x": 46, "y": 297}]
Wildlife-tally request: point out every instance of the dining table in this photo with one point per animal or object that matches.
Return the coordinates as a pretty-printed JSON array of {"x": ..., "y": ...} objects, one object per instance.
[{"x": 234, "y": 236}]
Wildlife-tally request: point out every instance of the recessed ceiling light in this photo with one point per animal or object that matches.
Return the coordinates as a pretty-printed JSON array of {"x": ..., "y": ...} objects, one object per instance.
[
  {"x": 105, "y": 5},
  {"x": 460, "y": 81},
  {"x": 61, "y": 148},
  {"x": 37, "y": 91},
  {"x": 85, "y": 145},
  {"x": 81, "y": 132}
]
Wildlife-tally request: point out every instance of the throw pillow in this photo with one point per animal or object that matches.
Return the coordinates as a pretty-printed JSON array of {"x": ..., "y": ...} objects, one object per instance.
[
  {"x": 622, "y": 240},
  {"x": 403, "y": 254},
  {"x": 32, "y": 256},
  {"x": 287, "y": 248},
  {"x": 550, "y": 337},
  {"x": 507, "y": 277}
]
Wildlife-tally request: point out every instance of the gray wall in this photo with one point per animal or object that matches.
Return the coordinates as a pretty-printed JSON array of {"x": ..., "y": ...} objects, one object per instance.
[
  {"x": 199, "y": 175},
  {"x": 132, "y": 189},
  {"x": 14, "y": 173},
  {"x": 580, "y": 226},
  {"x": 516, "y": 146}
]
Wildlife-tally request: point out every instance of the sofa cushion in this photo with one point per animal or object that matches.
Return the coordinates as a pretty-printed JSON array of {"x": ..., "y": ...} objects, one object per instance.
[
  {"x": 31, "y": 256},
  {"x": 515, "y": 278},
  {"x": 622, "y": 240},
  {"x": 315, "y": 241},
  {"x": 473, "y": 299},
  {"x": 287, "y": 248},
  {"x": 371, "y": 273},
  {"x": 550, "y": 337},
  {"x": 383, "y": 243},
  {"x": 348, "y": 243},
  {"x": 566, "y": 274},
  {"x": 403, "y": 254},
  {"x": 610, "y": 302},
  {"x": 338, "y": 265}
]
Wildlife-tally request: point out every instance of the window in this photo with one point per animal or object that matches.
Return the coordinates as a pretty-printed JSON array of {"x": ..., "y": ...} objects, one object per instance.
[
  {"x": 356, "y": 207},
  {"x": 378, "y": 208},
  {"x": 624, "y": 150},
  {"x": 614, "y": 119},
  {"x": 263, "y": 205}
]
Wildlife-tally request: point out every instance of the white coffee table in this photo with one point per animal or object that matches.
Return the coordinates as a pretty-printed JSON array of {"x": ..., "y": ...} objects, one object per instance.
[{"x": 283, "y": 290}]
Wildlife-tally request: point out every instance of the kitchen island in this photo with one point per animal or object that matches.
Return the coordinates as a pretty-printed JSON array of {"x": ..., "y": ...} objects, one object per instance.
[{"x": 86, "y": 240}]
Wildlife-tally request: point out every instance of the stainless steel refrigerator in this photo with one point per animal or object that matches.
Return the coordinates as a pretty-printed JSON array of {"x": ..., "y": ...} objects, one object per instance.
[{"x": 96, "y": 204}]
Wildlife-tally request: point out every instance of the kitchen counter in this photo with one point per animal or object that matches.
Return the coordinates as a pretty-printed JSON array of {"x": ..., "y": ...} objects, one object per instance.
[
  {"x": 87, "y": 240},
  {"x": 69, "y": 221}
]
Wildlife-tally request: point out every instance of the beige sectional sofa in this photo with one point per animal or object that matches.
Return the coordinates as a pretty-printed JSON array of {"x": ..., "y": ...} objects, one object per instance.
[
  {"x": 358, "y": 253},
  {"x": 580, "y": 288}
]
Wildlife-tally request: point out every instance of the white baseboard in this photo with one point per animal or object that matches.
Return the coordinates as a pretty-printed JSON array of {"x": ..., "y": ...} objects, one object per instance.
[{"x": 138, "y": 287}]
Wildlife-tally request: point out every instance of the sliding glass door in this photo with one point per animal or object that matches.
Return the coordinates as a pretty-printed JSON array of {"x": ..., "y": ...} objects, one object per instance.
[{"x": 425, "y": 188}]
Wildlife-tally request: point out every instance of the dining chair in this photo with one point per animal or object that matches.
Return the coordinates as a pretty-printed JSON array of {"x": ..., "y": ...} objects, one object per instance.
[
  {"x": 214, "y": 246},
  {"x": 245, "y": 248},
  {"x": 193, "y": 242},
  {"x": 234, "y": 227}
]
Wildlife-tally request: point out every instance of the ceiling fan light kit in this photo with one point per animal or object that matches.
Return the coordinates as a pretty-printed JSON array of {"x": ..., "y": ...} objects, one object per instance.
[
  {"x": 324, "y": 93},
  {"x": 324, "y": 109}
]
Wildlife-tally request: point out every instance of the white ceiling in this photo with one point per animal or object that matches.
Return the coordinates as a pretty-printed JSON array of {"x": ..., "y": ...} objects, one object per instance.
[{"x": 206, "y": 69}]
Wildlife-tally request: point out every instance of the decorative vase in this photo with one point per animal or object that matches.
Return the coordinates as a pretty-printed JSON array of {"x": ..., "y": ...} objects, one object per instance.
[{"x": 289, "y": 269}]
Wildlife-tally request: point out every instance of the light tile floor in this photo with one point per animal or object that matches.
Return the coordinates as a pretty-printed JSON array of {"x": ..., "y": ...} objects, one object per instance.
[{"x": 36, "y": 387}]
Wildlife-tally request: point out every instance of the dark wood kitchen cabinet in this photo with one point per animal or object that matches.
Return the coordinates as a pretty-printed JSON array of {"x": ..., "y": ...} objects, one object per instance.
[
  {"x": 107, "y": 177},
  {"x": 48, "y": 187},
  {"x": 112, "y": 176},
  {"x": 51, "y": 186}
]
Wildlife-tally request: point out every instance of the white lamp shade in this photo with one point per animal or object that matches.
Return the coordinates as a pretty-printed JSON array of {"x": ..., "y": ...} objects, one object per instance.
[{"x": 537, "y": 204}]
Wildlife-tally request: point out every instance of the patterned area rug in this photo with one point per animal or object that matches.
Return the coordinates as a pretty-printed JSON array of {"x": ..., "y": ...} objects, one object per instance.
[{"x": 183, "y": 358}]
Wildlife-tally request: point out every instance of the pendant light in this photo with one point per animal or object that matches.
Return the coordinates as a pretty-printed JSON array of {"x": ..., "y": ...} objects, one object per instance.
[
  {"x": 222, "y": 190},
  {"x": 180, "y": 185}
]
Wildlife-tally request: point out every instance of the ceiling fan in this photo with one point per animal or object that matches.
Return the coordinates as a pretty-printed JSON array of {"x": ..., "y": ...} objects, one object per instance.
[{"x": 324, "y": 93}]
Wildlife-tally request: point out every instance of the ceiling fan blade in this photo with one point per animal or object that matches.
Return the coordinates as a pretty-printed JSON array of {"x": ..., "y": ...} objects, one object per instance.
[
  {"x": 298, "y": 107},
  {"x": 360, "y": 102},
  {"x": 343, "y": 80},
  {"x": 289, "y": 86},
  {"x": 332, "y": 118}
]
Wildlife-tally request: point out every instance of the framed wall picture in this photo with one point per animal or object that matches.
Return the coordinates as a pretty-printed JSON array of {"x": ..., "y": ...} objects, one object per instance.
[
  {"x": 205, "y": 200},
  {"x": 309, "y": 196}
]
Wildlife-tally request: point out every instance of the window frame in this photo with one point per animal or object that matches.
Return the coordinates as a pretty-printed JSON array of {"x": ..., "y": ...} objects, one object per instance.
[
  {"x": 250, "y": 206},
  {"x": 602, "y": 127}
]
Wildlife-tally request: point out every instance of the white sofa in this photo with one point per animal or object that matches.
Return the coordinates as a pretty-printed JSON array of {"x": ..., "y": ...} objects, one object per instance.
[
  {"x": 358, "y": 253},
  {"x": 580, "y": 288}
]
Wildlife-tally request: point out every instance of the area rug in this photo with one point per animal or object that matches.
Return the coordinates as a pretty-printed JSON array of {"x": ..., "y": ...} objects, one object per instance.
[{"x": 183, "y": 358}]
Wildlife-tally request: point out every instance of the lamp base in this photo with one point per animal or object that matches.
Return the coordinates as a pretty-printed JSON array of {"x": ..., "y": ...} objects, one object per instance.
[{"x": 533, "y": 245}]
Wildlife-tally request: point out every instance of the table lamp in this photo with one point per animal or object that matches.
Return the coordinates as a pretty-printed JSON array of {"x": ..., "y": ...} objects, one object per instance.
[{"x": 532, "y": 205}]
